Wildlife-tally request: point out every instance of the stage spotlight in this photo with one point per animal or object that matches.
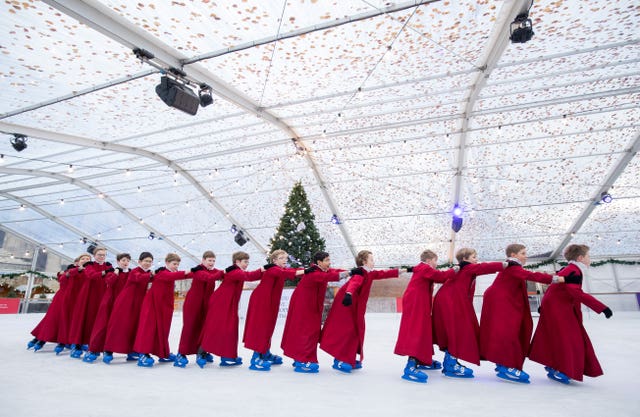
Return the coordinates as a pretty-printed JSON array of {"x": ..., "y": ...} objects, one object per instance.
[
  {"x": 205, "y": 95},
  {"x": 605, "y": 197},
  {"x": 151, "y": 236},
  {"x": 177, "y": 95},
  {"x": 19, "y": 142},
  {"x": 335, "y": 219},
  {"x": 521, "y": 29},
  {"x": 92, "y": 247},
  {"x": 457, "y": 211},
  {"x": 240, "y": 238},
  {"x": 233, "y": 229}
]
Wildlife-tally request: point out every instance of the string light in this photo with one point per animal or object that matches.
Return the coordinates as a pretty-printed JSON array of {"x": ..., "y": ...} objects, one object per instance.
[
  {"x": 62, "y": 201},
  {"x": 100, "y": 195},
  {"x": 127, "y": 172},
  {"x": 119, "y": 228},
  {"x": 22, "y": 207},
  {"x": 70, "y": 169},
  {"x": 139, "y": 189},
  {"x": 1, "y": 158}
]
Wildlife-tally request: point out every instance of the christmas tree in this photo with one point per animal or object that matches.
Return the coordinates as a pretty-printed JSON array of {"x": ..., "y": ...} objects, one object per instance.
[{"x": 297, "y": 233}]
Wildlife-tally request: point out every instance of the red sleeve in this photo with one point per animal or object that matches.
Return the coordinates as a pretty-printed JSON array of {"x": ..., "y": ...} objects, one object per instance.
[
  {"x": 253, "y": 275},
  {"x": 524, "y": 274},
  {"x": 287, "y": 273},
  {"x": 354, "y": 283},
  {"x": 587, "y": 299},
  {"x": 171, "y": 276},
  {"x": 139, "y": 276},
  {"x": 110, "y": 278},
  {"x": 440, "y": 276},
  {"x": 385, "y": 273},
  {"x": 486, "y": 268},
  {"x": 93, "y": 272},
  {"x": 202, "y": 275}
]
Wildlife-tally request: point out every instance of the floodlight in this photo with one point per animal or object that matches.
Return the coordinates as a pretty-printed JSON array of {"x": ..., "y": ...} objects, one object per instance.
[
  {"x": 19, "y": 142},
  {"x": 521, "y": 29},
  {"x": 175, "y": 94}
]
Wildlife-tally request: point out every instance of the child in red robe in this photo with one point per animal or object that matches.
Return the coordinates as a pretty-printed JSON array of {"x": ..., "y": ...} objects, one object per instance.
[
  {"x": 115, "y": 282},
  {"x": 88, "y": 300},
  {"x": 415, "y": 334},
  {"x": 343, "y": 333},
  {"x": 194, "y": 309},
  {"x": 262, "y": 313},
  {"x": 220, "y": 331},
  {"x": 123, "y": 322},
  {"x": 455, "y": 324},
  {"x": 506, "y": 324},
  {"x": 304, "y": 318},
  {"x": 561, "y": 342},
  {"x": 156, "y": 313}
]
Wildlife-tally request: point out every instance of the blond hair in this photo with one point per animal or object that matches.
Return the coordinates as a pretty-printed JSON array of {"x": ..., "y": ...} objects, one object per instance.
[
  {"x": 464, "y": 253},
  {"x": 428, "y": 255},
  {"x": 274, "y": 255},
  {"x": 362, "y": 256},
  {"x": 513, "y": 249},
  {"x": 572, "y": 252},
  {"x": 171, "y": 257},
  {"x": 239, "y": 256}
]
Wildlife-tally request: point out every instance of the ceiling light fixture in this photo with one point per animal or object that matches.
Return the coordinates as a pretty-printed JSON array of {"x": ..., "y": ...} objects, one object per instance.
[{"x": 19, "y": 142}]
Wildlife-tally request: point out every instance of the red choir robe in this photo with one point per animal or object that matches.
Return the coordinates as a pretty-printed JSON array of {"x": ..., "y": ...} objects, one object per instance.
[
  {"x": 304, "y": 318},
  {"x": 115, "y": 283},
  {"x": 264, "y": 305},
  {"x": 343, "y": 333},
  {"x": 561, "y": 341},
  {"x": 88, "y": 302},
  {"x": 505, "y": 323},
  {"x": 48, "y": 328},
  {"x": 220, "y": 331},
  {"x": 74, "y": 284},
  {"x": 415, "y": 334},
  {"x": 194, "y": 309},
  {"x": 125, "y": 315},
  {"x": 455, "y": 324},
  {"x": 154, "y": 326}
]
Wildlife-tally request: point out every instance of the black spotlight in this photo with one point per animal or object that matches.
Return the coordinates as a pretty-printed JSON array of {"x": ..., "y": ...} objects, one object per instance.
[
  {"x": 175, "y": 94},
  {"x": 19, "y": 142},
  {"x": 239, "y": 238},
  {"x": 521, "y": 29},
  {"x": 205, "y": 95},
  {"x": 151, "y": 236},
  {"x": 91, "y": 248}
]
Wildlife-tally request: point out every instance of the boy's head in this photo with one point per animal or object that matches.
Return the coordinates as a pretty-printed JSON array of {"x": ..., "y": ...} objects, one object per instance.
[
  {"x": 100, "y": 254},
  {"x": 278, "y": 257},
  {"x": 208, "y": 259},
  {"x": 82, "y": 259},
  {"x": 172, "y": 261},
  {"x": 578, "y": 253},
  {"x": 145, "y": 260},
  {"x": 364, "y": 258},
  {"x": 517, "y": 251},
  {"x": 429, "y": 257},
  {"x": 322, "y": 259},
  {"x": 240, "y": 259},
  {"x": 467, "y": 255},
  {"x": 123, "y": 260}
]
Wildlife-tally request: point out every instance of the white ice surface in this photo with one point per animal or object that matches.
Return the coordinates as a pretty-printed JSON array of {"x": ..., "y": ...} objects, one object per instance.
[{"x": 42, "y": 384}]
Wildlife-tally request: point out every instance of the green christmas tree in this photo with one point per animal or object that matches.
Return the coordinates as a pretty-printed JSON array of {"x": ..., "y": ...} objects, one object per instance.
[{"x": 297, "y": 233}]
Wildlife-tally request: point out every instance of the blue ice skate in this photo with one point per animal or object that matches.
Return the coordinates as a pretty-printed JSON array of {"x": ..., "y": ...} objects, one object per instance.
[
  {"x": 435, "y": 365},
  {"x": 342, "y": 366},
  {"x": 208, "y": 357},
  {"x": 231, "y": 361},
  {"x": 107, "y": 357},
  {"x": 358, "y": 365},
  {"x": 170, "y": 358},
  {"x": 38, "y": 345},
  {"x": 84, "y": 347},
  {"x": 90, "y": 357},
  {"x": 76, "y": 352},
  {"x": 145, "y": 361},
  {"x": 453, "y": 369},
  {"x": 181, "y": 361},
  {"x": 259, "y": 363},
  {"x": 512, "y": 374},
  {"x": 59, "y": 348},
  {"x": 133, "y": 356},
  {"x": 306, "y": 367},
  {"x": 274, "y": 359},
  {"x": 557, "y": 376},
  {"x": 413, "y": 374},
  {"x": 31, "y": 343}
]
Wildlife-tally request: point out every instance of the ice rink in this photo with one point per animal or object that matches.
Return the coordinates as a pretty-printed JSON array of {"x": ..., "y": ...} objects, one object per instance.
[{"x": 42, "y": 384}]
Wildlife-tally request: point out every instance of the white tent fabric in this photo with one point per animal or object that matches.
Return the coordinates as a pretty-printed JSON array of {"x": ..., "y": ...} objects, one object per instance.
[{"x": 390, "y": 113}]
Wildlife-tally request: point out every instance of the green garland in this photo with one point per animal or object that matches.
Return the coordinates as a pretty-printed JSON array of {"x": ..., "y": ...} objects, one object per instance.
[
  {"x": 593, "y": 264},
  {"x": 19, "y": 274}
]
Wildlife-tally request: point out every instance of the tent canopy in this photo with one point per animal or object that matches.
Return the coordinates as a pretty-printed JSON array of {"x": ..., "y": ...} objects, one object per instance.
[{"x": 390, "y": 113}]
